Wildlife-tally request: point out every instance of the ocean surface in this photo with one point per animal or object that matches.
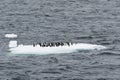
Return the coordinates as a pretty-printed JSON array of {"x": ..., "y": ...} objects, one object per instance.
[{"x": 83, "y": 21}]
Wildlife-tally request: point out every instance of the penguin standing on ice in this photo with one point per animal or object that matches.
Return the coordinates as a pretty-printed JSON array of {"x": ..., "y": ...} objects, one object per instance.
[
  {"x": 61, "y": 43},
  {"x": 68, "y": 43},
  {"x": 43, "y": 45},
  {"x": 33, "y": 45},
  {"x": 56, "y": 44},
  {"x": 40, "y": 44},
  {"x": 52, "y": 44}
]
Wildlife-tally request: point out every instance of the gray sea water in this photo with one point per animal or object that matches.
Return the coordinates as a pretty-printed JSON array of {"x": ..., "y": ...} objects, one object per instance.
[{"x": 88, "y": 21}]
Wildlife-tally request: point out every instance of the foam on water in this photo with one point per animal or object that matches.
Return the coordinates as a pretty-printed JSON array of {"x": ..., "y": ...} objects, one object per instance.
[
  {"x": 11, "y": 35},
  {"x": 29, "y": 49}
]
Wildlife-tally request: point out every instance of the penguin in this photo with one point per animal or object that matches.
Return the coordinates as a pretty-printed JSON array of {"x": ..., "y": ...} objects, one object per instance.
[
  {"x": 58, "y": 43},
  {"x": 52, "y": 44},
  {"x": 62, "y": 43},
  {"x": 55, "y": 44},
  {"x": 71, "y": 43},
  {"x": 40, "y": 44},
  {"x": 43, "y": 45},
  {"x": 33, "y": 45},
  {"x": 68, "y": 43},
  {"x": 48, "y": 44}
]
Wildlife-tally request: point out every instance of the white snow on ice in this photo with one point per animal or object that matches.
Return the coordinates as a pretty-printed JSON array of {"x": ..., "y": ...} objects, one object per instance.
[
  {"x": 12, "y": 44},
  {"x": 29, "y": 49}
]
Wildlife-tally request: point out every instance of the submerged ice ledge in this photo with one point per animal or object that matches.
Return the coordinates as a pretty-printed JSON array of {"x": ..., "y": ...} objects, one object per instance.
[{"x": 30, "y": 49}]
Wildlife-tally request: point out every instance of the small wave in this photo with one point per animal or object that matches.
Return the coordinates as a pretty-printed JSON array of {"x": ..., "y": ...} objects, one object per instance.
[
  {"x": 109, "y": 53},
  {"x": 84, "y": 37}
]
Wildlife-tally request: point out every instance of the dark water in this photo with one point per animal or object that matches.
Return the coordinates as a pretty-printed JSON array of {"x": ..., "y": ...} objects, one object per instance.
[{"x": 90, "y": 21}]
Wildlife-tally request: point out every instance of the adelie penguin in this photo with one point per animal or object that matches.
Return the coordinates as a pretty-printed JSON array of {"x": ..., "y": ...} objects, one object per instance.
[
  {"x": 68, "y": 43},
  {"x": 33, "y": 45},
  {"x": 40, "y": 44}
]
